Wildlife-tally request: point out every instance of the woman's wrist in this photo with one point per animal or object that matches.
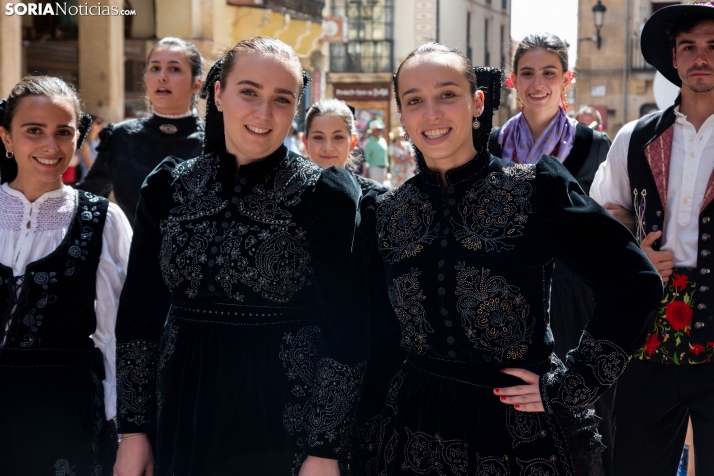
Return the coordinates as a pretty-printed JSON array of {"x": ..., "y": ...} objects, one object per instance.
[{"x": 129, "y": 436}]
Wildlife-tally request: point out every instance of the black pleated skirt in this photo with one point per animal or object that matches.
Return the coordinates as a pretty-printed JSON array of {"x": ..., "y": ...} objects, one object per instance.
[{"x": 232, "y": 391}]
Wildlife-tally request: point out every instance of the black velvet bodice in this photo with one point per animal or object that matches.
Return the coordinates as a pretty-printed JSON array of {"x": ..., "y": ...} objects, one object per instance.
[
  {"x": 52, "y": 305},
  {"x": 468, "y": 267}
]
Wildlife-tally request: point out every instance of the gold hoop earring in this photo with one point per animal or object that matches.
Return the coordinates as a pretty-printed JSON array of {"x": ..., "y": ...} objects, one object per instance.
[
  {"x": 564, "y": 97},
  {"x": 476, "y": 124},
  {"x": 9, "y": 154},
  {"x": 406, "y": 136}
]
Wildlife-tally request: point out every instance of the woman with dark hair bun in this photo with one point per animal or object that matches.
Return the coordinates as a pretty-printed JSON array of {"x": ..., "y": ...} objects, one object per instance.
[
  {"x": 63, "y": 258},
  {"x": 237, "y": 268},
  {"x": 130, "y": 150},
  {"x": 467, "y": 247}
]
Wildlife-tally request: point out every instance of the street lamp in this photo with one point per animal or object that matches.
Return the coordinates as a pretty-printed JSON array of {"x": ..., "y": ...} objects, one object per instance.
[{"x": 599, "y": 17}]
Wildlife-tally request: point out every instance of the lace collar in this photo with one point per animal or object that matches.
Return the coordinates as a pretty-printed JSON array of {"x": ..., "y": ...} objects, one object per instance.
[{"x": 60, "y": 192}]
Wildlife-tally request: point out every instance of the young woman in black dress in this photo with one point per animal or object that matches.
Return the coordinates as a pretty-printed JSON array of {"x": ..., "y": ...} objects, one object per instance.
[
  {"x": 233, "y": 277},
  {"x": 467, "y": 248},
  {"x": 131, "y": 149}
]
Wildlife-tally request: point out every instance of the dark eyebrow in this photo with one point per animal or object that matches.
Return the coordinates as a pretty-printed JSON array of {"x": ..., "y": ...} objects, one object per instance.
[
  {"x": 438, "y": 86},
  {"x": 170, "y": 61},
  {"x": 285, "y": 91},
  {"x": 260, "y": 86},
  {"x": 39, "y": 124},
  {"x": 250, "y": 83},
  {"x": 409, "y": 91},
  {"x": 691, "y": 42}
]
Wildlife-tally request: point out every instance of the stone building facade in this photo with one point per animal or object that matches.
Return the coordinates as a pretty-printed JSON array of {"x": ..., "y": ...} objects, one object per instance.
[{"x": 615, "y": 79}]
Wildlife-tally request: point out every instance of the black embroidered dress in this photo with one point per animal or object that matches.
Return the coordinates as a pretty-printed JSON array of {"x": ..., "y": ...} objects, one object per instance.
[
  {"x": 468, "y": 268},
  {"x": 52, "y": 408},
  {"x": 131, "y": 149},
  {"x": 233, "y": 258}
]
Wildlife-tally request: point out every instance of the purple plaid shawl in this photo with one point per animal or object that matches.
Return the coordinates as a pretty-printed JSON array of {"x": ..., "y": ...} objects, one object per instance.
[{"x": 517, "y": 143}]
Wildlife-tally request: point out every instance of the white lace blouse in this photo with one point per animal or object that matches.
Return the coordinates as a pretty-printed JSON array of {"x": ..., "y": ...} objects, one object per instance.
[{"x": 31, "y": 231}]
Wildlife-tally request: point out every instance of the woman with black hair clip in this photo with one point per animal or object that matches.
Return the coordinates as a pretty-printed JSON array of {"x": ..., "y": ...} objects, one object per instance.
[
  {"x": 63, "y": 258},
  {"x": 237, "y": 269},
  {"x": 467, "y": 247},
  {"x": 130, "y": 150}
]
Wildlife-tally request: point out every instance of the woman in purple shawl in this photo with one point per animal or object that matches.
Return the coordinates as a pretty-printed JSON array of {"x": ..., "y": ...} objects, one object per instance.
[{"x": 540, "y": 78}]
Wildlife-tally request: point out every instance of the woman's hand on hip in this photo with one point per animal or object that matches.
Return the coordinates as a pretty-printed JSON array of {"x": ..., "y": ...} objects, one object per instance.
[
  {"x": 134, "y": 457},
  {"x": 524, "y": 398}
]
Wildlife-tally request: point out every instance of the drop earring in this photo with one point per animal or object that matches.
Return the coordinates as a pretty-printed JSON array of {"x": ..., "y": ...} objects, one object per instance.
[
  {"x": 406, "y": 136},
  {"x": 564, "y": 98},
  {"x": 476, "y": 124}
]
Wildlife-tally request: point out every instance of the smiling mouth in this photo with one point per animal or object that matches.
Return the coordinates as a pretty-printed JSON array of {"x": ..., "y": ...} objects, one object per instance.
[
  {"x": 44, "y": 161},
  {"x": 436, "y": 133},
  {"x": 257, "y": 130},
  {"x": 538, "y": 96}
]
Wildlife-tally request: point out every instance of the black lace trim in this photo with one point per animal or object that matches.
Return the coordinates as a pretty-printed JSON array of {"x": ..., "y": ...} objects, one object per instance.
[
  {"x": 582, "y": 440},
  {"x": 598, "y": 364},
  {"x": 136, "y": 381}
]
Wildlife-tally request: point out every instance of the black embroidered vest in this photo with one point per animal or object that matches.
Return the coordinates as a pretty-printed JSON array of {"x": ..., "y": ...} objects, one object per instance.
[
  {"x": 52, "y": 306},
  {"x": 650, "y": 218}
]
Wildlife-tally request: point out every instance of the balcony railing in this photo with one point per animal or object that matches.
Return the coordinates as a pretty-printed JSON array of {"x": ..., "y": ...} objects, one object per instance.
[{"x": 637, "y": 61}]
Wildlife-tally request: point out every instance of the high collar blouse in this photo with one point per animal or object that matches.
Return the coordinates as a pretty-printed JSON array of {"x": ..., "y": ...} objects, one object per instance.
[{"x": 29, "y": 231}]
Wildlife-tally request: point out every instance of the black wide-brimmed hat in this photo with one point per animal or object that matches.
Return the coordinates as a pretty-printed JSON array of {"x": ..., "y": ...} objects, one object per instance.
[{"x": 655, "y": 43}]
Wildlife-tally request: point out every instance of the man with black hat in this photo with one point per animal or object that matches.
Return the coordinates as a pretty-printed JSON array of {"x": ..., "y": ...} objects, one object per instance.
[{"x": 660, "y": 169}]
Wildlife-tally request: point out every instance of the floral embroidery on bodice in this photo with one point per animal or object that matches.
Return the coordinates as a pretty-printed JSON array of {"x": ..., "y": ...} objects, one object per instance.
[
  {"x": 253, "y": 242},
  {"x": 468, "y": 257},
  {"x": 431, "y": 238}
]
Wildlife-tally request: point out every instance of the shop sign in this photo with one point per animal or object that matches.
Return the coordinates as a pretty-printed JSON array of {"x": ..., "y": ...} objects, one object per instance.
[{"x": 363, "y": 91}]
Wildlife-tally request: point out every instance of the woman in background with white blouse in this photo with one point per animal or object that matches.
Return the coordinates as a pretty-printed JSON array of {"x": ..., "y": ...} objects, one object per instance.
[{"x": 63, "y": 257}]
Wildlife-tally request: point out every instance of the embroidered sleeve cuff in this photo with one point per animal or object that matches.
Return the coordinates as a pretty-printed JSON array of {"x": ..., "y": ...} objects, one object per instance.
[
  {"x": 335, "y": 393},
  {"x": 136, "y": 386},
  {"x": 591, "y": 369}
]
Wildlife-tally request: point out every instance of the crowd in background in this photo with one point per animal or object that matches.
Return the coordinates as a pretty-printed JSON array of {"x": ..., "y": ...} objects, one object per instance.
[{"x": 450, "y": 297}]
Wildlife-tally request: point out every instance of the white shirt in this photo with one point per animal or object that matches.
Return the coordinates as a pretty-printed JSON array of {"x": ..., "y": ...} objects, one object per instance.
[
  {"x": 690, "y": 167},
  {"x": 31, "y": 231}
]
